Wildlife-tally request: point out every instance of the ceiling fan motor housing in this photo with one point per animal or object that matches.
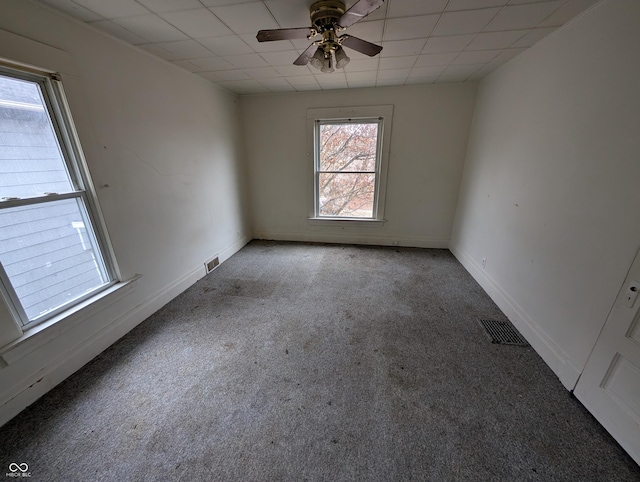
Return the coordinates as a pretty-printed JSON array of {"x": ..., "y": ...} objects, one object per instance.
[{"x": 325, "y": 14}]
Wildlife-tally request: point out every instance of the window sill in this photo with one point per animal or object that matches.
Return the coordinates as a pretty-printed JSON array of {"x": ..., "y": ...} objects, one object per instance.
[
  {"x": 41, "y": 334},
  {"x": 326, "y": 221}
]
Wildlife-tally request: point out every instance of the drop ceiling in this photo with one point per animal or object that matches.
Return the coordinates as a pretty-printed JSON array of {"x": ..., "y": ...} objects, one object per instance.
[{"x": 424, "y": 41}]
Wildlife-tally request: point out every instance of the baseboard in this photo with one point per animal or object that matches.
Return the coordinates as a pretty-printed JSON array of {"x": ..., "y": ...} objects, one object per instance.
[
  {"x": 552, "y": 354},
  {"x": 32, "y": 387},
  {"x": 365, "y": 238}
]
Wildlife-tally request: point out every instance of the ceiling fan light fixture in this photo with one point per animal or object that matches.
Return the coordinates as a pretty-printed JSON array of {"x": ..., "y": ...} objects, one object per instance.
[
  {"x": 317, "y": 60},
  {"x": 328, "y": 19},
  {"x": 341, "y": 58},
  {"x": 327, "y": 64}
]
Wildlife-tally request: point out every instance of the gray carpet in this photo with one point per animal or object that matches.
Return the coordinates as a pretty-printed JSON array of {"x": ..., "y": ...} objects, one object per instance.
[{"x": 324, "y": 363}]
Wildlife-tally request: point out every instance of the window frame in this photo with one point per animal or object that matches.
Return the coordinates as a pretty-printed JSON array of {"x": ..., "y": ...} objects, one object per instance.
[
  {"x": 59, "y": 114},
  {"x": 382, "y": 115}
]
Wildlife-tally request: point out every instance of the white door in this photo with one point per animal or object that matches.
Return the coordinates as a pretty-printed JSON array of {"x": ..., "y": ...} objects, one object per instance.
[{"x": 610, "y": 383}]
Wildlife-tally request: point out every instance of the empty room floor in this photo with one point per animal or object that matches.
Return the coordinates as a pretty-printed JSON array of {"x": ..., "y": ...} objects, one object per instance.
[{"x": 296, "y": 362}]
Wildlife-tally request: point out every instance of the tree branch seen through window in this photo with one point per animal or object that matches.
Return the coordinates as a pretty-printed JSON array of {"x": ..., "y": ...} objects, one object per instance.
[{"x": 347, "y": 168}]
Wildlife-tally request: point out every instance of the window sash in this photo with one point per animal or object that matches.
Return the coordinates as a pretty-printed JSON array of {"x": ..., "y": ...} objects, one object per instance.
[
  {"x": 60, "y": 117},
  {"x": 318, "y": 171}
]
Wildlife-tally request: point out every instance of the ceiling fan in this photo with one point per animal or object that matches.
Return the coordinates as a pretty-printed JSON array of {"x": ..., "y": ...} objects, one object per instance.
[{"x": 328, "y": 19}]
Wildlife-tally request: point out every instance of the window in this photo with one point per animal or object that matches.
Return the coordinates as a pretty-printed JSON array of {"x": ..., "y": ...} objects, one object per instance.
[
  {"x": 51, "y": 254},
  {"x": 350, "y": 156}
]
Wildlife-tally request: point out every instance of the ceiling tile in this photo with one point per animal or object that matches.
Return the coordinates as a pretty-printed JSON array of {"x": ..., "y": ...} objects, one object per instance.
[
  {"x": 293, "y": 70},
  {"x": 507, "y": 55},
  {"x": 379, "y": 14},
  {"x": 262, "y": 73},
  {"x": 435, "y": 59},
  {"x": 533, "y": 36},
  {"x": 277, "y": 85},
  {"x": 198, "y": 23},
  {"x": 333, "y": 78},
  {"x": 370, "y": 31},
  {"x": 165, "y": 6},
  {"x": 530, "y": 15},
  {"x": 469, "y": 21},
  {"x": 397, "y": 74},
  {"x": 389, "y": 82},
  {"x": 477, "y": 57},
  {"x": 280, "y": 58},
  {"x": 410, "y": 27},
  {"x": 302, "y": 80},
  {"x": 307, "y": 87},
  {"x": 454, "y": 43},
  {"x": 289, "y": 14},
  {"x": 246, "y": 61},
  {"x": 211, "y": 63},
  {"x": 361, "y": 76},
  {"x": 361, "y": 84},
  {"x": 151, "y": 27},
  {"x": 246, "y": 17},
  {"x": 409, "y": 8},
  {"x": 496, "y": 40},
  {"x": 113, "y": 8},
  {"x": 180, "y": 50},
  {"x": 483, "y": 72},
  {"x": 566, "y": 12},
  {"x": 362, "y": 65},
  {"x": 458, "y": 73},
  {"x": 420, "y": 80},
  {"x": 398, "y": 62},
  {"x": 227, "y": 45},
  {"x": 427, "y": 71},
  {"x": 474, "y": 4},
  {"x": 520, "y": 2},
  {"x": 117, "y": 31},
  {"x": 466, "y": 69},
  {"x": 234, "y": 74},
  {"x": 400, "y": 48},
  {"x": 218, "y": 3},
  {"x": 74, "y": 9}
]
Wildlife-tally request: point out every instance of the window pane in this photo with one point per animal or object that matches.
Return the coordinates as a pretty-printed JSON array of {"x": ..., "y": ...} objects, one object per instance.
[
  {"x": 30, "y": 159},
  {"x": 347, "y": 195},
  {"x": 348, "y": 147},
  {"x": 49, "y": 255}
]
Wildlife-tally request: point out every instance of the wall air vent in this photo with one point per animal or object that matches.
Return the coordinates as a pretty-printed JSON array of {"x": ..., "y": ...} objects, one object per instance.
[{"x": 212, "y": 264}]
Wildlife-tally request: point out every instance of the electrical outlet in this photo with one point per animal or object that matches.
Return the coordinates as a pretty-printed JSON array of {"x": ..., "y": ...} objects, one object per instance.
[
  {"x": 484, "y": 263},
  {"x": 631, "y": 294}
]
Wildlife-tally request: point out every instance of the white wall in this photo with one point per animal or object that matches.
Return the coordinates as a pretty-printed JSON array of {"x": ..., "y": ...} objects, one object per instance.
[
  {"x": 428, "y": 143},
  {"x": 550, "y": 194},
  {"x": 164, "y": 150}
]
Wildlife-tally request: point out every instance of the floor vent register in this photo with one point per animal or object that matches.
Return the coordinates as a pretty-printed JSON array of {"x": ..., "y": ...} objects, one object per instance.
[{"x": 502, "y": 332}]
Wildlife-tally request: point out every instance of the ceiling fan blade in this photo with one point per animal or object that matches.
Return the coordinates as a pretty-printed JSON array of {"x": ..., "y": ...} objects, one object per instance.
[
  {"x": 306, "y": 55},
  {"x": 358, "y": 11},
  {"x": 360, "y": 45},
  {"x": 283, "y": 34}
]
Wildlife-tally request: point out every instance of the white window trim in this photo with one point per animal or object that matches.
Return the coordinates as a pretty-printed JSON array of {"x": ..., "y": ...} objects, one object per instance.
[
  {"x": 385, "y": 114},
  {"x": 78, "y": 169}
]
